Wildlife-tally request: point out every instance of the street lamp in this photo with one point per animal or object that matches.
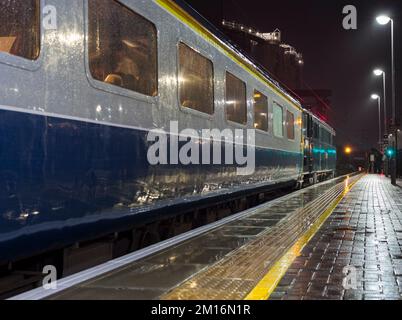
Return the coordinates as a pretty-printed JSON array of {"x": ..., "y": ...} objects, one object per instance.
[
  {"x": 378, "y": 98},
  {"x": 378, "y": 73},
  {"x": 383, "y": 20}
]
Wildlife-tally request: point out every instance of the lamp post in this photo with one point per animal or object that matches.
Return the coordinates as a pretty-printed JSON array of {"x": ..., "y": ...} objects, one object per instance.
[
  {"x": 378, "y": 98},
  {"x": 379, "y": 72},
  {"x": 384, "y": 20}
]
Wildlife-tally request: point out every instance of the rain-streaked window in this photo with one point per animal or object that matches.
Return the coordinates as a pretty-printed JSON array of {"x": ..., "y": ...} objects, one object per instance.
[
  {"x": 20, "y": 28},
  {"x": 260, "y": 111},
  {"x": 196, "y": 80},
  {"x": 278, "y": 120},
  {"x": 326, "y": 136},
  {"x": 290, "y": 125},
  {"x": 236, "y": 100},
  {"x": 122, "y": 47},
  {"x": 316, "y": 131}
]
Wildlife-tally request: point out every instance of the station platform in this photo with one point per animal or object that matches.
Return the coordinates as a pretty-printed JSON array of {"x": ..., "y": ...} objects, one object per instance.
[
  {"x": 357, "y": 254},
  {"x": 244, "y": 256}
]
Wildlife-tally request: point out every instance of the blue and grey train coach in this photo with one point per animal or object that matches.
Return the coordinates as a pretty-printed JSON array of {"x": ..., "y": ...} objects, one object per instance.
[{"x": 83, "y": 82}]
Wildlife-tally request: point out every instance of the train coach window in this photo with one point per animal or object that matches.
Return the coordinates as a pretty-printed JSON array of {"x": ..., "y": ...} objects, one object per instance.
[
  {"x": 260, "y": 111},
  {"x": 236, "y": 100},
  {"x": 196, "y": 80},
  {"x": 290, "y": 125},
  {"x": 122, "y": 47},
  {"x": 20, "y": 28},
  {"x": 326, "y": 136},
  {"x": 278, "y": 120},
  {"x": 316, "y": 131}
]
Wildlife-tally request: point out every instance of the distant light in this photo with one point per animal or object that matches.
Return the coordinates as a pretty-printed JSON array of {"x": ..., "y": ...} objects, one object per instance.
[
  {"x": 390, "y": 152},
  {"x": 348, "y": 150},
  {"x": 378, "y": 72},
  {"x": 300, "y": 61},
  {"x": 383, "y": 20},
  {"x": 375, "y": 96}
]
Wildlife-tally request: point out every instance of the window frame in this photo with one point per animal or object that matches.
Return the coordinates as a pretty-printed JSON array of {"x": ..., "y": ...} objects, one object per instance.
[
  {"x": 208, "y": 56},
  {"x": 24, "y": 63},
  {"x": 109, "y": 88},
  {"x": 268, "y": 131},
  {"x": 227, "y": 120},
  {"x": 294, "y": 126},
  {"x": 283, "y": 120}
]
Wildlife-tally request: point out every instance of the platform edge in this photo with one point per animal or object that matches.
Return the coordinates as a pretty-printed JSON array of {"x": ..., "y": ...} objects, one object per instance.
[{"x": 268, "y": 284}]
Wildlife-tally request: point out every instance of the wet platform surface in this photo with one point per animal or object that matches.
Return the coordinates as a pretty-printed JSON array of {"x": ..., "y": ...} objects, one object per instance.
[
  {"x": 225, "y": 263},
  {"x": 357, "y": 254}
]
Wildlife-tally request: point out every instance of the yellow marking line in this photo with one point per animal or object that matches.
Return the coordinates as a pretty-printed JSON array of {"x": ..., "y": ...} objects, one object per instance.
[
  {"x": 267, "y": 285},
  {"x": 188, "y": 20}
]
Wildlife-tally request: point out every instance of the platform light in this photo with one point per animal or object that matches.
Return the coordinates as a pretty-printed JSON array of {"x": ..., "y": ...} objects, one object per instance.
[
  {"x": 348, "y": 150},
  {"x": 378, "y": 72},
  {"x": 383, "y": 19},
  {"x": 378, "y": 98},
  {"x": 375, "y": 96}
]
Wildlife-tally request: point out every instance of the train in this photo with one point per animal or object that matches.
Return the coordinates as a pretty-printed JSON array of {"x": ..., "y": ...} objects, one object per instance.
[{"x": 84, "y": 82}]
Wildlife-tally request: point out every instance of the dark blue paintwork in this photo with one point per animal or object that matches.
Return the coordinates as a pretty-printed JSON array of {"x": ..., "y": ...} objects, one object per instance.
[{"x": 63, "y": 181}]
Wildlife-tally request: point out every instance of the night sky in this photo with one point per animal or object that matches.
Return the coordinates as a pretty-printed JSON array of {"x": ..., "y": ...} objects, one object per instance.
[{"x": 336, "y": 59}]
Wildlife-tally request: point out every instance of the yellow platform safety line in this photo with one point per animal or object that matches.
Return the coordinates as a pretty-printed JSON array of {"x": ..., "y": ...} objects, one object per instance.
[
  {"x": 268, "y": 284},
  {"x": 188, "y": 20}
]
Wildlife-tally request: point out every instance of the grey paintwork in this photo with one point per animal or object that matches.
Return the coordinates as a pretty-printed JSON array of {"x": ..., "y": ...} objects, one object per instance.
[{"x": 65, "y": 88}]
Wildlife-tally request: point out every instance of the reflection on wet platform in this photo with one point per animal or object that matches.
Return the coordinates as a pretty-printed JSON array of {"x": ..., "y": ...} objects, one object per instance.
[{"x": 221, "y": 263}]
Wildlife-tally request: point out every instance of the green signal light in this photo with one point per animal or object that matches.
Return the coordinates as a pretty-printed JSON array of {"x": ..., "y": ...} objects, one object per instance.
[{"x": 390, "y": 152}]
